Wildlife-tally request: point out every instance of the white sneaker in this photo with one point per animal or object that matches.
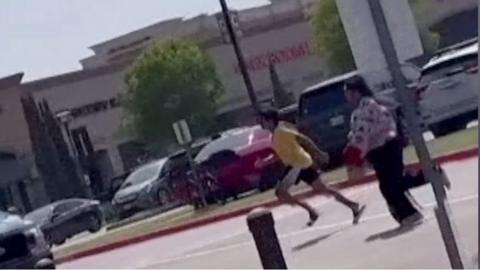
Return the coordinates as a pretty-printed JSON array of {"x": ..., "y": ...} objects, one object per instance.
[{"x": 413, "y": 220}]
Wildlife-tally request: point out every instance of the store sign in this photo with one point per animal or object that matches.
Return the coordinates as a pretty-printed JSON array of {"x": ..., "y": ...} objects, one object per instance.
[
  {"x": 95, "y": 107},
  {"x": 284, "y": 55}
]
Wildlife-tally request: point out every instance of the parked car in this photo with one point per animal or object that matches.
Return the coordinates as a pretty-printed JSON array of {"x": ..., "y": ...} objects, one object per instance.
[
  {"x": 233, "y": 155},
  {"x": 66, "y": 218},
  {"x": 22, "y": 243},
  {"x": 448, "y": 88},
  {"x": 144, "y": 188}
]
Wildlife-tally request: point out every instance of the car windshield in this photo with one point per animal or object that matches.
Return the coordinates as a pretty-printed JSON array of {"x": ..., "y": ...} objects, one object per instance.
[
  {"x": 323, "y": 101},
  {"x": 40, "y": 213},
  {"x": 144, "y": 173}
]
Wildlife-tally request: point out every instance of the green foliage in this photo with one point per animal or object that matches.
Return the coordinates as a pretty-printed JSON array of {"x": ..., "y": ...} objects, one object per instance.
[
  {"x": 172, "y": 80},
  {"x": 430, "y": 39},
  {"x": 330, "y": 38}
]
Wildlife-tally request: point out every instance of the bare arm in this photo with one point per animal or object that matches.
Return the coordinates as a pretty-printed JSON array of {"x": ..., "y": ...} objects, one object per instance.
[{"x": 319, "y": 156}]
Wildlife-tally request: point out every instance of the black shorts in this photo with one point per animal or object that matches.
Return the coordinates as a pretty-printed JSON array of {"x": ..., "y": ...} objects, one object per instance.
[{"x": 308, "y": 175}]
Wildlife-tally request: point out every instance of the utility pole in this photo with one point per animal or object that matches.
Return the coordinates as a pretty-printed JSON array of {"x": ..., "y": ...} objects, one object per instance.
[
  {"x": 240, "y": 58},
  {"x": 433, "y": 176}
]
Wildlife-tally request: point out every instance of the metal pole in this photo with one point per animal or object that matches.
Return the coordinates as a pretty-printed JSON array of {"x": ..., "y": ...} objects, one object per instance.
[
  {"x": 406, "y": 97},
  {"x": 262, "y": 226},
  {"x": 196, "y": 177},
  {"x": 240, "y": 58}
]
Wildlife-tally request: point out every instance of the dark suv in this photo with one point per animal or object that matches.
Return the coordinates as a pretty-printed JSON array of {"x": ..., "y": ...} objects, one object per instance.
[{"x": 22, "y": 244}]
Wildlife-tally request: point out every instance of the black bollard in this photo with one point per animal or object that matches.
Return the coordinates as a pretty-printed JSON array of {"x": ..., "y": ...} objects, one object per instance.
[{"x": 261, "y": 225}]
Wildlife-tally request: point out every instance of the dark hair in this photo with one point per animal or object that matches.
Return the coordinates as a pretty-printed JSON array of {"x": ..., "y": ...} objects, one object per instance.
[
  {"x": 270, "y": 114},
  {"x": 358, "y": 84}
]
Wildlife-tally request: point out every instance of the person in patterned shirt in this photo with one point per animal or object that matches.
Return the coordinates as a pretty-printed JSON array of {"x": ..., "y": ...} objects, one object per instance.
[{"x": 374, "y": 137}]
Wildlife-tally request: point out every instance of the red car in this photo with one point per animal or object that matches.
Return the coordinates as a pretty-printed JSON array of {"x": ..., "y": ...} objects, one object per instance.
[{"x": 232, "y": 157}]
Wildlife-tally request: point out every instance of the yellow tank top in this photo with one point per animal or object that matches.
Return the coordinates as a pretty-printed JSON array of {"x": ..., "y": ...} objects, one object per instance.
[{"x": 287, "y": 148}]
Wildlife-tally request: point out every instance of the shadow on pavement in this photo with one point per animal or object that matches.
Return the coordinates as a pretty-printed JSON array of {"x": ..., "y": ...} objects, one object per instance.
[
  {"x": 315, "y": 241},
  {"x": 390, "y": 233}
]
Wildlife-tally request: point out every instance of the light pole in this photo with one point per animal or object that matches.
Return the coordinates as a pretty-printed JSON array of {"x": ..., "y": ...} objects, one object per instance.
[
  {"x": 240, "y": 58},
  {"x": 64, "y": 118}
]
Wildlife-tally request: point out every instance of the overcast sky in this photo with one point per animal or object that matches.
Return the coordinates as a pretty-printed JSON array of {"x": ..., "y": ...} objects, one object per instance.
[{"x": 48, "y": 37}]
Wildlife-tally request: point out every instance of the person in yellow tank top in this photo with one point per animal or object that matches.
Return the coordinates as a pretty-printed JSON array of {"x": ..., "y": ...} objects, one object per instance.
[{"x": 302, "y": 159}]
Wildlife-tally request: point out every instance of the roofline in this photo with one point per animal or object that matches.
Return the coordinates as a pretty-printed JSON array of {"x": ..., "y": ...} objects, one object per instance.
[
  {"x": 11, "y": 81},
  {"x": 72, "y": 77},
  {"x": 138, "y": 30},
  {"x": 331, "y": 81}
]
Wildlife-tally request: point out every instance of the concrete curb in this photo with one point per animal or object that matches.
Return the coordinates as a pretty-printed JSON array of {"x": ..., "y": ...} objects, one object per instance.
[{"x": 451, "y": 157}]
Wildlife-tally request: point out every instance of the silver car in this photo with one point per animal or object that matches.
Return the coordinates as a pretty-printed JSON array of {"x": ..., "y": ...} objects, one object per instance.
[
  {"x": 144, "y": 188},
  {"x": 448, "y": 88},
  {"x": 66, "y": 218}
]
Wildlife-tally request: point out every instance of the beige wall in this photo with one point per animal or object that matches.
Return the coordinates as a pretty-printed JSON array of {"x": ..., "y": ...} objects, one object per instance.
[
  {"x": 103, "y": 127},
  {"x": 298, "y": 65},
  {"x": 14, "y": 133}
]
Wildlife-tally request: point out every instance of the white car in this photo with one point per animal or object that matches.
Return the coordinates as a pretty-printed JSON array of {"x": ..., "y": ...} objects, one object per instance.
[{"x": 448, "y": 89}]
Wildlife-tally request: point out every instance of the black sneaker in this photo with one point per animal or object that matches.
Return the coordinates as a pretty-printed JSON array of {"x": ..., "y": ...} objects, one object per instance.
[
  {"x": 313, "y": 219},
  {"x": 412, "y": 221}
]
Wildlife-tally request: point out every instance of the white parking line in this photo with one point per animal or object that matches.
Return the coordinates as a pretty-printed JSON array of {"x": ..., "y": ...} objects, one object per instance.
[{"x": 299, "y": 232}]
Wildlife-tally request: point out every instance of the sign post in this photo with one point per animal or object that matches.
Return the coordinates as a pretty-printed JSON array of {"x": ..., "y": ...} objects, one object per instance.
[{"x": 184, "y": 138}]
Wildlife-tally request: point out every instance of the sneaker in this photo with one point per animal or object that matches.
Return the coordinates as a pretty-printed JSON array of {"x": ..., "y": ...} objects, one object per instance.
[
  {"x": 313, "y": 218},
  {"x": 357, "y": 213},
  {"x": 413, "y": 220}
]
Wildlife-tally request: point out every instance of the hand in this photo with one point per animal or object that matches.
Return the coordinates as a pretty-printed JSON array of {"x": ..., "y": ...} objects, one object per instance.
[{"x": 352, "y": 156}]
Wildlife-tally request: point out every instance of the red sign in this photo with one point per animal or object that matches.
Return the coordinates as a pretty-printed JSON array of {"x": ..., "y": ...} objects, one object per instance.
[{"x": 262, "y": 61}]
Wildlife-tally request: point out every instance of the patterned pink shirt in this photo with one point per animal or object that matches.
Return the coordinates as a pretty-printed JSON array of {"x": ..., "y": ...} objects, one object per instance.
[{"x": 371, "y": 126}]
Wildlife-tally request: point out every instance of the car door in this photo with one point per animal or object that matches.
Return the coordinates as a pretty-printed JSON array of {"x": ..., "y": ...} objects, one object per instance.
[{"x": 64, "y": 217}]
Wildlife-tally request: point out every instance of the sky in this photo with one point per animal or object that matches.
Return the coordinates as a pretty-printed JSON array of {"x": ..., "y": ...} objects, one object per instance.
[{"x": 48, "y": 37}]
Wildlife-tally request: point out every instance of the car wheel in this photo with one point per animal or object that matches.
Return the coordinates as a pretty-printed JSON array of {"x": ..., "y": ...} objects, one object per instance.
[{"x": 95, "y": 223}]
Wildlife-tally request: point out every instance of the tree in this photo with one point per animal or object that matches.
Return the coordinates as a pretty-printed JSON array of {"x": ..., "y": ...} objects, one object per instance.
[
  {"x": 52, "y": 158},
  {"x": 170, "y": 81},
  {"x": 280, "y": 96},
  {"x": 331, "y": 40}
]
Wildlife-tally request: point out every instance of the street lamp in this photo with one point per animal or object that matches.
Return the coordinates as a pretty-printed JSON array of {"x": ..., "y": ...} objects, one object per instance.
[{"x": 64, "y": 118}]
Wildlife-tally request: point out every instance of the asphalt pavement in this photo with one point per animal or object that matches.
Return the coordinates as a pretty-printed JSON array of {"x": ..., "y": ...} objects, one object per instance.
[{"x": 333, "y": 242}]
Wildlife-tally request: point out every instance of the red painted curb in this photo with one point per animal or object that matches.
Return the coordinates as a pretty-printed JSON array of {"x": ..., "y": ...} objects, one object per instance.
[{"x": 457, "y": 156}]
